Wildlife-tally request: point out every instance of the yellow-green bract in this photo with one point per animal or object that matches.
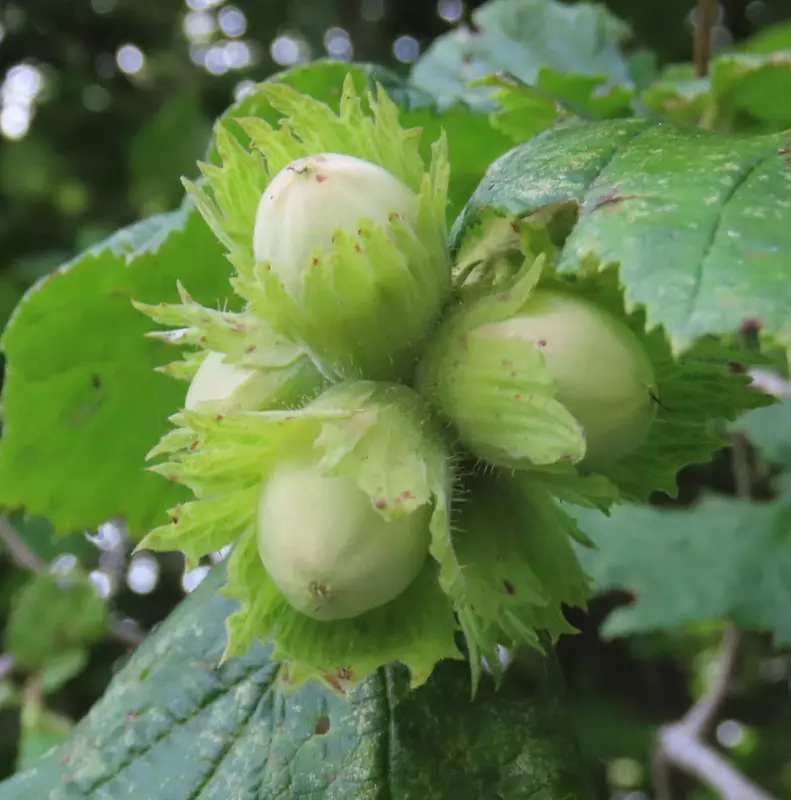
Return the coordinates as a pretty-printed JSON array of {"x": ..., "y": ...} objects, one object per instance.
[
  {"x": 303, "y": 446},
  {"x": 337, "y": 230},
  {"x": 602, "y": 373},
  {"x": 334, "y": 509},
  {"x": 312, "y": 198},
  {"x": 532, "y": 376}
]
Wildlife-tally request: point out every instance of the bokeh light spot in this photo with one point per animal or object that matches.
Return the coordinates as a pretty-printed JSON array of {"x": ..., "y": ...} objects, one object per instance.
[
  {"x": 199, "y": 26},
  {"x": 237, "y": 55},
  {"x": 233, "y": 22},
  {"x": 730, "y": 733},
  {"x": 243, "y": 89},
  {"x": 284, "y": 50},
  {"x": 130, "y": 59},
  {"x": 450, "y": 10},
  {"x": 338, "y": 44},
  {"x": 406, "y": 49},
  {"x": 142, "y": 574},
  {"x": 101, "y": 583}
]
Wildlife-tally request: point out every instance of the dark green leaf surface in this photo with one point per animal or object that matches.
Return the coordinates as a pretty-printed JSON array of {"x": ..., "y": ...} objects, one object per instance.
[
  {"x": 519, "y": 37},
  {"x": 82, "y": 403},
  {"x": 723, "y": 559},
  {"x": 173, "y": 726},
  {"x": 698, "y": 222},
  {"x": 165, "y": 148}
]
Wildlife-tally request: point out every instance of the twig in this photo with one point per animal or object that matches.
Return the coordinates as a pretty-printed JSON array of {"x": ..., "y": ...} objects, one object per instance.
[
  {"x": 707, "y": 16},
  {"x": 740, "y": 461},
  {"x": 682, "y": 744},
  {"x": 17, "y": 548},
  {"x": 26, "y": 559},
  {"x": 127, "y": 636}
]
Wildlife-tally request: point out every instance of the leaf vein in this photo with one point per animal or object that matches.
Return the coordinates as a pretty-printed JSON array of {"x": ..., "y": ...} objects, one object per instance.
[
  {"x": 623, "y": 145},
  {"x": 716, "y": 227},
  {"x": 211, "y": 698},
  {"x": 390, "y": 733},
  {"x": 226, "y": 749}
]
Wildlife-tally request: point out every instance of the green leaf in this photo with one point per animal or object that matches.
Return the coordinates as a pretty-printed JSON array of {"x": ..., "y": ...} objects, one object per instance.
[
  {"x": 769, "y": 430},
  {"x": 740, "y": 92},
  {"x": 696, "y": 221},
  {"x": 61, "y": 668},
  {"x": 472, "y": 145},
  {"x": 723, "y": 559},
  {"x": 768, "y": 39},
  {"x": 524, "y": 110},
  {"x": 52, "y": 615},
  {"x": 165, "y": 148},
  {"x": 745, "y": 83},
  {"x": 82, "y": 402},
  {"x": 519, "y": 37},
  {"x": 586, "y": 95},
  {"x": 679, "y": 95},
  {"x": 175, "y": 723},
  {"x": 41, "y": 730}
]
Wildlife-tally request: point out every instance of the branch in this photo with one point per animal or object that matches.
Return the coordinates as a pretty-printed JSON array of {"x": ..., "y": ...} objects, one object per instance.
[
  {"x": 26, "y": 559},
  {"x": 706, "y": 17},
  {"x": 17, "y": 548},
  {"x": 682, "y": 744}
]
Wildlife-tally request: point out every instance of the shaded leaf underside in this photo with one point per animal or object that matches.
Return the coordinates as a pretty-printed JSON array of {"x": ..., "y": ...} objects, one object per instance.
[{"x": 723, "y": 559}]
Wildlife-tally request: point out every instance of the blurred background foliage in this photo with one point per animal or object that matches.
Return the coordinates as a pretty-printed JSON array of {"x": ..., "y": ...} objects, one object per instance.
[{"x": 104, "y": 104}]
